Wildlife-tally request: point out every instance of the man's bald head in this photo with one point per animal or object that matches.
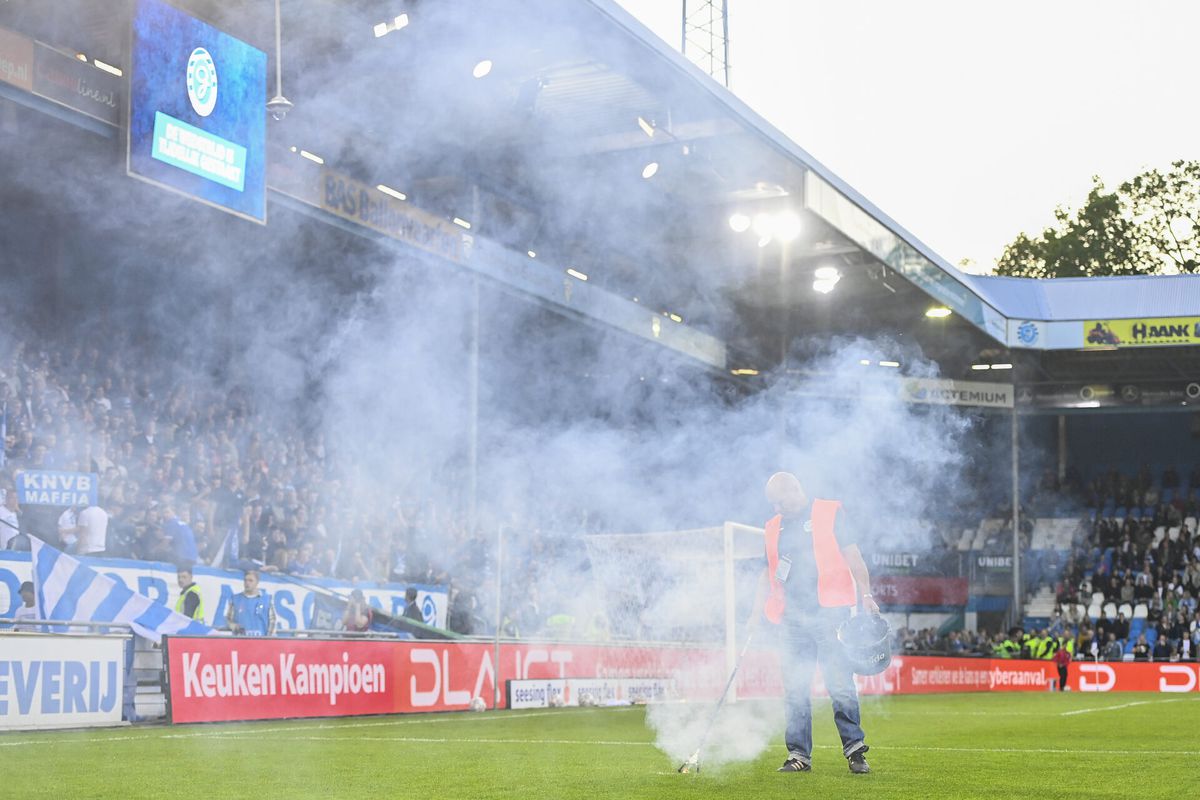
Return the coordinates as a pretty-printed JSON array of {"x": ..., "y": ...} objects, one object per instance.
[{"x": 785, "y": 493}]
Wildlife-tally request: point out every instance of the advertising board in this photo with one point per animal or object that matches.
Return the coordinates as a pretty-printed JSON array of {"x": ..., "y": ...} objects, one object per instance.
[
  {"x": 54, "y": 681},
  {"x": 1102, "y": 676}
]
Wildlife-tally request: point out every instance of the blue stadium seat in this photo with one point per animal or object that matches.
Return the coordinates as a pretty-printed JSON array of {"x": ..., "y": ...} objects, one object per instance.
[
  {"x": 1136, "y": 626},
  {"x": 1135, "y": 512},
  {"x": 1168, "y": 495},
  {"x": 1122, "y": 512}
]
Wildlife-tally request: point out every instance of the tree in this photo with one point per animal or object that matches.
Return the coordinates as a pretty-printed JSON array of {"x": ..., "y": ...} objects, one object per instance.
[
  {"x": 1149, "y": 225},
  {"x": 1166, "y": 210},
  {"x": 1099, "y": 239}
]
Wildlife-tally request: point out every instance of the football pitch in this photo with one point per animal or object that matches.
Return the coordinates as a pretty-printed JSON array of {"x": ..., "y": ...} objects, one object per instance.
[{"x": 960, "y": 746}]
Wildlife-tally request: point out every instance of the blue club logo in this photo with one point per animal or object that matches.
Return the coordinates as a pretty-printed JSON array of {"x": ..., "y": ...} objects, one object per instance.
[
  {"x": 1027, "y": 333},
  {"x": 429, "y": 610},
  {"x": 202, "y": 82}
]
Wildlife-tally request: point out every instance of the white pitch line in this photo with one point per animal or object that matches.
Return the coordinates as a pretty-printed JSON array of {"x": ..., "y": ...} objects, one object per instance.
[
  {"x": 1122, "y": 705},
  {"x": 242, "y": 729}
]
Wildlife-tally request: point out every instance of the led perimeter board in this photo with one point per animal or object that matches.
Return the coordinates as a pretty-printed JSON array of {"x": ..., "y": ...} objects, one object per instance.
[{"x": 197, "y": 110}]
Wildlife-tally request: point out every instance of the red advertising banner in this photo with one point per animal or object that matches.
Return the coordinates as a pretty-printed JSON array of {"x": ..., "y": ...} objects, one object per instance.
[
  {"x": 215, "y": 679},
  {"x": 911, "y": 590},
  {"x": 1087, "y": 676}
]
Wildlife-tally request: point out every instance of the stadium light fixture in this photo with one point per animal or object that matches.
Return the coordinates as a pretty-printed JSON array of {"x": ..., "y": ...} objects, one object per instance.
[
  {"x": 828, "y": 274},
  {"x": 981, "y": 367},
  {"x": 763, "y": 241},
  {"x": 787, "y": 225},
  {"x": 392, "y": 192},
  {"x": 823, "y": 287},
  {"x": 482, "y": 68},
  {"x": 462, "y": 223},
  {"x": 938, "y": 312},
  {"x": 400, "y": 22},
  {"x": 763, "y": 226},
  {"x": 675, "y": 317},
  {"x": 294, "y": 149},
  {"x": 109, "y": 68},
  {"x": 531, "y": 254},
  {"x": 740, "y": 223},
  {"x": 892, "y": 364},
  {"x": 380, "y": 29},
  {"x": 650, "y": 170},
  {"x": 646, "y": 127},
  {"x": 866, "y": 362},
  {"x": 1001, "y": 366},
  {"x": 574, "y": 273},
  {"x": 743, "y": 371},
  {"x": 316, "y": 159},
  {"x": 82, "y": 57}
]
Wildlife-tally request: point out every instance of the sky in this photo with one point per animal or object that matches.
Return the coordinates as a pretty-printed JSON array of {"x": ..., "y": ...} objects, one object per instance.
[{"x": 967, "y": 122}]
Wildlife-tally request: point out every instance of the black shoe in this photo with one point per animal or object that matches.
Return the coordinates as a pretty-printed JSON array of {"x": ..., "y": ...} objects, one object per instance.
[
  {"x": 858, "y": 762},
  {"x": 794, "y": 764}
]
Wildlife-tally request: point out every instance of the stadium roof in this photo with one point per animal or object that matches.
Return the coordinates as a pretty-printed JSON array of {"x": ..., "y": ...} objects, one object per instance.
[
  {"x": 547, "y": 155},
  {"x": 1126, "y": 296}
]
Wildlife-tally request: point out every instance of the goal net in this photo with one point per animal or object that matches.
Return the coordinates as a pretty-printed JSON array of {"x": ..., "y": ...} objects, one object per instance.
[{"x": 692, "y": 586}]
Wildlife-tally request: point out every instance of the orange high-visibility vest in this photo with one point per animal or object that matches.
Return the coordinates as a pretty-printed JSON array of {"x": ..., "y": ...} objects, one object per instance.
[{"x": 835, "y": 584}]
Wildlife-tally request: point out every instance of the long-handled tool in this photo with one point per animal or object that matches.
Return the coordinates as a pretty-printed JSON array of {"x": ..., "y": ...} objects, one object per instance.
[{"x": 693, "y": 763}]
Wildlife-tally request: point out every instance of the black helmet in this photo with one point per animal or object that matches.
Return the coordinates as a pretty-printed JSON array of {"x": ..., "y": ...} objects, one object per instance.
[{"x": 866, "y": 642}]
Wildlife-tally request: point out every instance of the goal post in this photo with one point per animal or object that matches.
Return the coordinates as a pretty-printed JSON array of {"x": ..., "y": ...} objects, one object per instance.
[{"x": 691, "y": 586}]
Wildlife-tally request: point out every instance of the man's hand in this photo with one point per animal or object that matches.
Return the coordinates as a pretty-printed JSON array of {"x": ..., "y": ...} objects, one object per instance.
[{"x": 869, "y": 605}]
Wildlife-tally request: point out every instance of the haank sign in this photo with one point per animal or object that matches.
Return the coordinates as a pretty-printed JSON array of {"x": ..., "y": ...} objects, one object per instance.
[
  {"x": 957, "y": 393},
  {"x": 1151, "y": 332}
]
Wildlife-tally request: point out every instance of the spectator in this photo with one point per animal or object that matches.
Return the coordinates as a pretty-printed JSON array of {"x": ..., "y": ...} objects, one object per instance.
[
  {"x": 10, "y": 524},
  {"x": 1112, "y": 649},
  {"x": 1141, "y": 649},
  {"x": 250, "y": 612},
  {"x": 1163, "y": 651},
  {"x": 27, "y": 610},
  {"x": 411, "y": 610},
  {"x": 358, "y": 614},
  {"x": 92, "y": 531},
  {"x": 179, "y": 534}
]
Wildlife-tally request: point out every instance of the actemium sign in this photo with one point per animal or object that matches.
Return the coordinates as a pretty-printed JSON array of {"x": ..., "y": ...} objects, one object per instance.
[
  {"x": 1150, "y": 332},
  {"x": 957, "y": 393}
]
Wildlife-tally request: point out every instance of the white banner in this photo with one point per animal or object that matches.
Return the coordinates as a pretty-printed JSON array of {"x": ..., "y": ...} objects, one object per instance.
[
  {"x": 589, "y": 691},
  {"x": 957, "y": 393},
  {"x": 55, "y": 681},
  {"x": 294, "y": 599}
]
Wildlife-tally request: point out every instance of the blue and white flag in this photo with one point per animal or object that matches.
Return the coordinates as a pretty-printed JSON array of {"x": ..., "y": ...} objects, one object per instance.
[{"x": 67, "y": 590}]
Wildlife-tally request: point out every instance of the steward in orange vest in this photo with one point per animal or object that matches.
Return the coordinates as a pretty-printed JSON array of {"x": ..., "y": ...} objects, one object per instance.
[{"x": 812, "y": 581}]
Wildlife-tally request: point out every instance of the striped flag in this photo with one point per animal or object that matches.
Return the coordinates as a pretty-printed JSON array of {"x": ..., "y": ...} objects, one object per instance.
[{"x": 67, "y": 590}]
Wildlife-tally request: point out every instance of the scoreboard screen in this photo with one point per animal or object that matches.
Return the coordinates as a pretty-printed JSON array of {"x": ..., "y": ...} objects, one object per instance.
[{"x": 197, "y": 110}]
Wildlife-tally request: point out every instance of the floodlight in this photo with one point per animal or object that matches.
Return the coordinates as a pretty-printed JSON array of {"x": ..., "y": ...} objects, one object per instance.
[
  {"x": 787, "y": 225},
  {"x": 739, "y": 222},
  {"x": 482, "y": 68}
]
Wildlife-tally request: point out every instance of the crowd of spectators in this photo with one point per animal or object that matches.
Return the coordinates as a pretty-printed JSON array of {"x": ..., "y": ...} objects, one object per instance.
[
  {"x": 1131, "y": 583},
  {"x": 190, "y": 472}
]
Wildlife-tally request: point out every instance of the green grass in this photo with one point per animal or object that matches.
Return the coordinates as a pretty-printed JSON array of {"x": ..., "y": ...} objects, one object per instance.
[{"x": 960, "y": 746}]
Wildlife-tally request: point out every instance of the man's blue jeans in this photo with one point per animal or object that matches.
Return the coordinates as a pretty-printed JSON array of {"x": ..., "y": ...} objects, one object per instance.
[{"x": 810, "y": 639}]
